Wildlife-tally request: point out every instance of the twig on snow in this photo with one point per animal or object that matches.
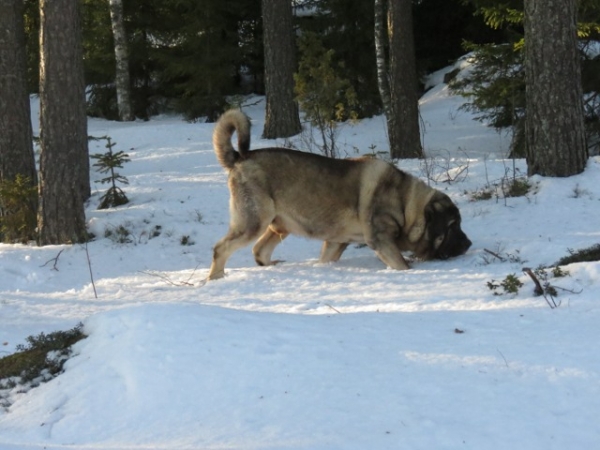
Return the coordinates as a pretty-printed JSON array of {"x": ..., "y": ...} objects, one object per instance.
[
  {"x": 495, "y": 255},
  {"x": 55, "y": 259},
  {"x": 571, "y": 291},
  {"x": 168, "y": 280},
  {"x": 505, "y": 361},
  {"x": 539, "y": 290},
  {"x": 336, "y": 310}
]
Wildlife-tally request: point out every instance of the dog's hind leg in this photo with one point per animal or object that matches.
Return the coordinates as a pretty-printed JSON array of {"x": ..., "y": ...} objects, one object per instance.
[
  {"x": 266, "y": 244},
  {"x": 245, "y": 228},
  {"x": 233, "y": 240},
  {"x": 332, "y": 251}
]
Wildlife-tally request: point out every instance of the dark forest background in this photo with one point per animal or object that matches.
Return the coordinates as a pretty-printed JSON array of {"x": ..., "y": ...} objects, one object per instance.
[{"x": 189, "y": 56}]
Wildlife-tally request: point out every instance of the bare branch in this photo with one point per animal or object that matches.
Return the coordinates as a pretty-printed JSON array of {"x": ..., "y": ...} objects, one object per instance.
[
  {"x": 168, "y": 280},
  {"x": 539, "y": 290},
  {"x": 495, "y": 255},
  {"x": 55, "y": 259},
  {"x": 90, "y": 268},
  {"x": 336, "y": 310}
]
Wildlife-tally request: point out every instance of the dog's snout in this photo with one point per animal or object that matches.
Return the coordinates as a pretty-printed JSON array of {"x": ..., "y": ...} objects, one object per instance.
[{"x": 466, "y": 244}]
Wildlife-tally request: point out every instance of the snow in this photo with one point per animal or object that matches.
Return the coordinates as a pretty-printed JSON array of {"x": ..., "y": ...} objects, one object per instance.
[{"x": 304, "y": 355}]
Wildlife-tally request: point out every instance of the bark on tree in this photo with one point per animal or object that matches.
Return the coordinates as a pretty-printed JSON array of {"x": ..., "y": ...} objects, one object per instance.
[
  {"x": 64, "y": 159},
  {"x": 122, "y": 79},
  {"x": 281, "y": 119},
  {"x": 16, "y": 146},
  {"x": 554, "y": 123},
  {"x": 403, "y": 126},
  {"x": 397, "y": 76}
]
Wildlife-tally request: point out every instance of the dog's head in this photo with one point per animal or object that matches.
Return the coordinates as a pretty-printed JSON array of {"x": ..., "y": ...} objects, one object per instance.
[{"x": 444, "y": 236}]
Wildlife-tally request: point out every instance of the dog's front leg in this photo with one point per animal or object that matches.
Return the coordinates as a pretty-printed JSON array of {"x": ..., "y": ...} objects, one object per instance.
[
  {"x": 390, "y": 254},
  {"x": 381, "y": 235}
]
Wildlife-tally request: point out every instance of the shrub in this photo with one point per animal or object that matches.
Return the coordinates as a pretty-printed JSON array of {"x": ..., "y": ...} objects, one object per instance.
[
  {"x": 18, "y": 219},
  {"x": 517, "y": 187},
  {"x": 583, "y": 255},
  {"x": 506, "y": 187},
  {"x": 41, "y": 359},
  {"x": 186, "y": 240},
  {"x": 510, "y": 285},
  {"x": 325, "y": 97}
]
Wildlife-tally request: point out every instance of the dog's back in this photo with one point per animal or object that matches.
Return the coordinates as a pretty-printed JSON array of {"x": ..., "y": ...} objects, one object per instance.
[{"x": 288, "y": 172}]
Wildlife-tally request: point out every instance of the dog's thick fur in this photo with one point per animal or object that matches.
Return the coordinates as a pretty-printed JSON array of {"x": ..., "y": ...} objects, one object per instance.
[{"x": 276, "y": 192}]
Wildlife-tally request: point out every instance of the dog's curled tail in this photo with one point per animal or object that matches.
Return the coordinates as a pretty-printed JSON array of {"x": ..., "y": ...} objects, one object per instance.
[{"x": 232, "y": 121}]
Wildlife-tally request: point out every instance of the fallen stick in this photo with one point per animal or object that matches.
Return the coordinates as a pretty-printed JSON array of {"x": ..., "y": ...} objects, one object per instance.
[
  {"x": 539, "y": 290},
  {"x": 495, "y": 255}
]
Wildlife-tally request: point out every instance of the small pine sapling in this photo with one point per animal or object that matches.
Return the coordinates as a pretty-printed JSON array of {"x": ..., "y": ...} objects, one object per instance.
[
  {"x": 510, "y": 285},
  {"x": 323, "y": 94},
  {"x": 107, "y": 163}
]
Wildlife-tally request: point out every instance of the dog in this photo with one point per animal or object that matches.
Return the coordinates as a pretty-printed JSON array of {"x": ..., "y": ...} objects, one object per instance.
[{"x": 275, "y": 192}]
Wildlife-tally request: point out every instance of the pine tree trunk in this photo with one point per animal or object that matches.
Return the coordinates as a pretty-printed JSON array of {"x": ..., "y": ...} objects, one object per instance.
[
  {"x": 403, "y": 115},
  {"x": 64, "y": 159},
  {"x": 554, "y": 125},
  {"x": 122, "y": 81},
  {"x": 16, "y": 145},
  {"x": 282, "y": 119}
]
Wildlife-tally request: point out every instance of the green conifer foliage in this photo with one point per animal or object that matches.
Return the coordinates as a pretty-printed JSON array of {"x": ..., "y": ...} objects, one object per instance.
[
  {"x": 107, "y": 163},
  {"x": 495, "y": 87},
  {"x": 325, "y": 97},
  {"x": 17, "y": 219}
]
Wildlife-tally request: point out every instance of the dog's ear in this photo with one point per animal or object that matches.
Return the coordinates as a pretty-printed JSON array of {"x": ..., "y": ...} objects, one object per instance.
[
  {"x": 441, "y": 206},
  {"x": 440, "y": 213},
  {"x": 433, "y": 209},
  {"x": 426, "y": 221},
  {"x": 429, "y": 212}
]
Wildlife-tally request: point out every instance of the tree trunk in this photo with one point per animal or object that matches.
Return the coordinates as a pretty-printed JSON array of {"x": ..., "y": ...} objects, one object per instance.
[
  {"x": 64, "y": 159},
  {"x": 398, "y": 78},
  {"x": 16, "y": 145},
  {"x": 282, "y": 119},
  {"x": 554, "y": 124},
  {"x": 383, "y": 82},
  {"x": 122, "y": 81}
]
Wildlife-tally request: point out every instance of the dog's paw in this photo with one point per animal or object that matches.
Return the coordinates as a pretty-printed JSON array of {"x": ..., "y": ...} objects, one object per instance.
[
  {"x": 216, "y": 275},
  {"x": 269, "y": 263}
]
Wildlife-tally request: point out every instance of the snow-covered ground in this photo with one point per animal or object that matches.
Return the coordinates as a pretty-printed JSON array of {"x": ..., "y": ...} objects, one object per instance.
[{"x": 303, "y": 355}]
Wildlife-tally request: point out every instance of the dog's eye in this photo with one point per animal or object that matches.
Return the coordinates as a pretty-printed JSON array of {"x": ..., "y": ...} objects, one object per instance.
[
  {"x": 455, "y": 223},
  {"x": 439, "y": 240}
]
